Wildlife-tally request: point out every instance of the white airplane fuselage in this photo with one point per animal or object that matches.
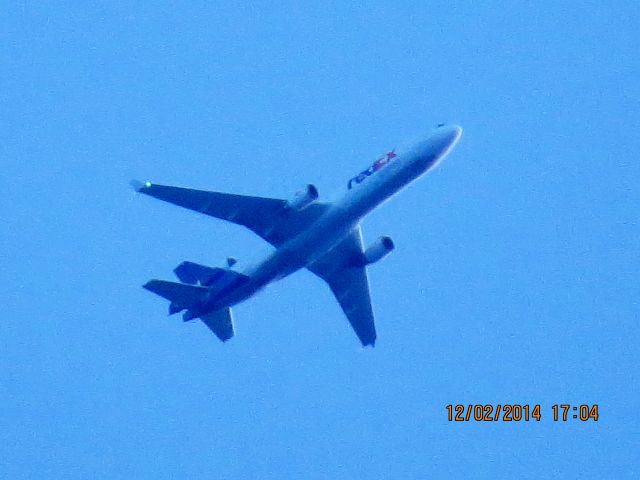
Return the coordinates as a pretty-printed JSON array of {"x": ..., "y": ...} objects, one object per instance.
[{"x": 366, "y": 191}]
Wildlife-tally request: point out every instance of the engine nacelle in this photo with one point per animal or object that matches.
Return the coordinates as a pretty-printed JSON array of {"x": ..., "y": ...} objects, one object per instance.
[
  {"x": 303, "y": 198},
  {"x": 378, "y": 250}
]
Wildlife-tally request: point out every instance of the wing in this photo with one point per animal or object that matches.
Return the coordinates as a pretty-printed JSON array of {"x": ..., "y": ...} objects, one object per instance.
[
  {"x": 267, "y": 217},
  {"x": 342, "y": 268}
]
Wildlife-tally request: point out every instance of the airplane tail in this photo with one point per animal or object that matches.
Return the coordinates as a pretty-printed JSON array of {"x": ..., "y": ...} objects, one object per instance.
[
  {"x": 193, "y": 298},
  {"x": 200, "y": 286},
  {"x": 180, "y": 295},
  {"x": 194, "y": 273},
  {"x": 220, "y": 322}
]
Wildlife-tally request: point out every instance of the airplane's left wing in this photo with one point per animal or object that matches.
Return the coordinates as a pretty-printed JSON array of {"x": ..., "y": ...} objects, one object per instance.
[
  {"x": 342, "y": 268},
  {"x": 267, "y": 217}
]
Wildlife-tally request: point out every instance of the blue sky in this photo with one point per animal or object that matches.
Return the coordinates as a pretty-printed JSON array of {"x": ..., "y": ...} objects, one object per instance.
[{"x": 514, "y": 279}]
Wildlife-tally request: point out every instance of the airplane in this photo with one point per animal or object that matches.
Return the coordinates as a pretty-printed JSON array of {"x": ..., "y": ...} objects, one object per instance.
[{"x": 324, "y": 237}]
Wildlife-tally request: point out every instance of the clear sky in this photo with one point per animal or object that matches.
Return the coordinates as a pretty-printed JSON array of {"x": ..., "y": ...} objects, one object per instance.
[{"x": 515, "y": 275}]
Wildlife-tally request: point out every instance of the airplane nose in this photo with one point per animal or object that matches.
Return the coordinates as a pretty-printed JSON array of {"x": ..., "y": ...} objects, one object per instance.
[
  {"x": 446, "y": 137},
  {"x": 436, "y": 146},
  {"x": 453, "y": 134}
]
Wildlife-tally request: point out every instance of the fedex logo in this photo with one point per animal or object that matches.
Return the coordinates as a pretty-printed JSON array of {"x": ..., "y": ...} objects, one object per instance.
[{"x": 377, "y": 165}]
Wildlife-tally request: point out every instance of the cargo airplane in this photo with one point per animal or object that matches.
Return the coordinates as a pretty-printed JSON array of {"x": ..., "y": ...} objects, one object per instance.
[{"x": 307, "y": 233}]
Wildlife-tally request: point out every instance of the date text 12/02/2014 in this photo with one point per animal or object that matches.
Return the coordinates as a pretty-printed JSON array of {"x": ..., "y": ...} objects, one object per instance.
[{"x": 520, "y": 412}]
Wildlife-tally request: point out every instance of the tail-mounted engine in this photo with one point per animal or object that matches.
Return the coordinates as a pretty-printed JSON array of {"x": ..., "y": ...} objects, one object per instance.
[
  {"x": 303, "y": 198},
  {"x": 378, "y": 250}
]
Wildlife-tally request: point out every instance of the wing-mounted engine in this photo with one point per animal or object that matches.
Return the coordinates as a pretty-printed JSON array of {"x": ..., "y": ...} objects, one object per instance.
[
  {"x": 303, "y": 198},
  {"x": 378, "y": 250}
]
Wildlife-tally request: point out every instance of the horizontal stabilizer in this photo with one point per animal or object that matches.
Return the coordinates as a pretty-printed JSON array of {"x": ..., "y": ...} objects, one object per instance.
[
  {"x": 217, "y": 278},
  {"x": 185, "y": 296},
  {"x": 192, "y": 273},
  {"x": 220, "y": 322}
]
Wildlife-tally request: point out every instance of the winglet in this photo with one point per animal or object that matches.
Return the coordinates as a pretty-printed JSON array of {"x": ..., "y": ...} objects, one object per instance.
[{"x": 138, "y": 186}]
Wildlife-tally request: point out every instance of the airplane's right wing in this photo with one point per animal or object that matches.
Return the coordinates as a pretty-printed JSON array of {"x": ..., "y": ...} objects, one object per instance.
[
  {"x": 346, "y": 275},
  {"x": 267, "y": 217}
]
